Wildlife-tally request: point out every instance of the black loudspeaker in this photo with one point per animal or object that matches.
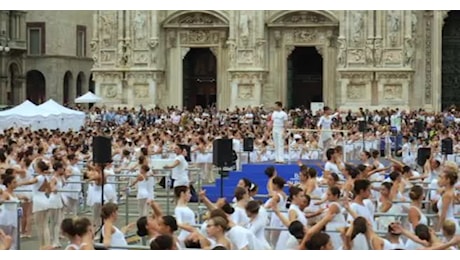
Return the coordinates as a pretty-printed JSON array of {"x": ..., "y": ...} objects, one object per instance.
[
  {"x": 420, "y": 126},
  {"x": 248, "y": 144},
  {"x": 102, "y": 149},
  {"x": 447, "y": 146},
  {"x": 362, "y": 126},
  {"x": 422, "y": 155},
  {"x": 185, "y": 147},
  {"x": 222, "y": 152}
]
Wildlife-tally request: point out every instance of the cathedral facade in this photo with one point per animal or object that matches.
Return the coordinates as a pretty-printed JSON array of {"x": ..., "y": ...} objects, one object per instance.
[{"x": 344, "y": 59}]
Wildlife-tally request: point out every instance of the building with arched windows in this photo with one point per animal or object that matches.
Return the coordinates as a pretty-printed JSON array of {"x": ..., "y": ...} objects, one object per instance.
[
  {"x": 238, "y": 58},
  {"x": 44, "y": 54}
]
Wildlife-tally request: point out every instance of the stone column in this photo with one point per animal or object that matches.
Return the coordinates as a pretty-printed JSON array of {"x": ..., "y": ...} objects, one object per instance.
[
  {"x": 96, "y": 28},
  {"x": 174, "y": 72},
  {"x": 4, "y": 90},
  {"x": 232, "y": 24},
  {"x": 438, "y": 21},
  {"x": 261, "y": 25}
]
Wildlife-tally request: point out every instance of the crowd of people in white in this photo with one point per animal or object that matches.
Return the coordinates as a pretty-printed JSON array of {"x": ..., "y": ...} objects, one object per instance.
[{"x": 365, "y": 205}]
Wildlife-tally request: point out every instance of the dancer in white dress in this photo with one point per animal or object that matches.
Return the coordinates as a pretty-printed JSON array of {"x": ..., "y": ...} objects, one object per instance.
[
  {"x": 8, "y": 210},
  {"x": 71, "y": 199},
  {"x": 279, "y": 199},
  {"x": 185, "y": 217},
  {"x": 179, "y": 173},
  {"x": 338, "y": 221},
  {"x": 80, "y": 233},
  {"x": 445, "y": 204},
  {"x": 41, "y": 203},
  {"x": 144, "y": 194},
  {"x": 26, "y": 205},
  {"x": 415, "y": 214},
  {"x": 257, "y": 224},
  {"x": 295, "y": 212},
  {"x": 55, "y": 202}
]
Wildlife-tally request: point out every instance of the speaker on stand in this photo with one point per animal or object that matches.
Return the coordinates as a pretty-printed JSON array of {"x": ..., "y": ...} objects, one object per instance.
[
  {"x": 222, "y": 156},
  {"x": 248, "y": 146},
  {"x": 102, "y": 154},
  {"x": 447, "y": 147}
]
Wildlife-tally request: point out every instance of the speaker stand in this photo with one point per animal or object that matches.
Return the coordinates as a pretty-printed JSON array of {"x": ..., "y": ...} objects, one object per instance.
[
  {"x": 249, "y": 157},
  {"x": 221, "y": 171},
  {"x": 101, "y": 167}
]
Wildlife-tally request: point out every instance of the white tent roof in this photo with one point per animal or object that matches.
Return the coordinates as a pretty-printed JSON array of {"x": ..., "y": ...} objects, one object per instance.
[
  {"x": 27, "y": 109},
  {"x": 55, "y": 108},
  {"x": 89, "y": 97}
]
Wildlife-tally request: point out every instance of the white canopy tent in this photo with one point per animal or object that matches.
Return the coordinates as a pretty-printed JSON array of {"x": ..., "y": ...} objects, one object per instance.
[
  {"x": 28, "y": 114},
  {"x": 67, "y": 118},
  {"x": 87, "y": 98}
]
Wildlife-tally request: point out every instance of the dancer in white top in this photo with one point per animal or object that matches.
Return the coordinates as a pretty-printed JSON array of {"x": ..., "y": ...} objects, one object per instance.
[
  {"x": 279, "y": 118},
  {"x": 257, "y": 225},
  {"x": 415, "y": 214},
  {"x": 279, "y": 199},
  {"x": 71, "y": 199},
  {"x": 112, "y": 236},
  {"x": 26, "y": 205},
  {"x": 338, "y": 221},
  {"x": 185, "y": 217},
  {"x": 80, "y": 233},
  {"x": 179, "y": 173},
  {"x": 144, "y": 194},
  {"x": 325, "y": 126},
  {"x": 239, "y": 217},
  {"x": 445, "y": 204},
  {"x": 55, "y": 200},
  {"x": 8, "y": 210}
]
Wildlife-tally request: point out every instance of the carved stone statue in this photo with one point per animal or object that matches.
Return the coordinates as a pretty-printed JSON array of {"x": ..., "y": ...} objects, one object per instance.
[
  {"x": 414, "y": 22},
  {"x": 139, "y": 27},
  {"x": 244, "y": 28},
  {"x": 358, "y": 25},
  {"x": 378, "y": 51},
  {"x": 124, "y": 53},
  {"x": 231, "y": 52},
  {"x": 342, "y": 52},
  {"x": 153, "y": 44},
  {"x": 94, "y": 50},
  {"x": 107, "y": 24},
  {"x": 368, "y": 52},
  {"x": 394, "y": 24},
  {"x": 408, "y": 52},
  {"x": 260, "y": 50}
]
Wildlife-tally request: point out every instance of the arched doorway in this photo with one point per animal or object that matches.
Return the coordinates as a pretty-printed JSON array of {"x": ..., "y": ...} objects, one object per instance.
[
  {"x": 451, "y": 61},
  {"x": 66, "y": 87},
  {"x": 14, "y": 85},
  {"x": 305, "y": 77},
  {"x": 91, "y": 86},
  {"x": 200, "y": 78},
  {"x": 80, "y": 81},
  {"x": 35, "y": 86}
]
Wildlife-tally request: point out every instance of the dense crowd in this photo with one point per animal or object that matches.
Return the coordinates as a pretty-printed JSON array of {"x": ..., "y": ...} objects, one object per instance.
[{"x": 341, "y": 209}]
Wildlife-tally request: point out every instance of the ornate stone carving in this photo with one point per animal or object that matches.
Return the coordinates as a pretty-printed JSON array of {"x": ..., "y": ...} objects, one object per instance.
[
  {"x": 428, "y": 52},
  {"x": 196, "y": 19},
  {"x": 342, "y": 52},
  {"x": 278, "y": 38},
  {"x": 393, "y": 75},
  {"x": 357, "y": 26},
  {"x": 303, "y": 17},
  {"x": 153, "y": 45},
  {"x": 408, "y": 52},
  {"x": 394, "y": 26},
  {"x": 246, "y": 91},
  {"x": 392, "y": 56},
  {"x": 172, "y": 39},
  {"x": 124, "y": 53},
  {"x": 248, "y": 77},
  {"x": 141, "y": 91},
  {"x": 107, "y": 20},
  {"x": 244, "y": 28},
  {"x": 231, "y": 46},
  {"x": 94, "y": 45},
  {"x": 141, "y": 57},
  {"x": 109, "y": 91},
  {"x": 140, "y": 28},
  {"x": 199, "y": 37},
  {"x": 355, "y": 91},
  {"x": 107, "y": 56},
  {"x": 378, "y": 51},
  {"x": 260, "y": 51},
  {"x": 392, "y": 92},
  {"x": 369, "y": 52},
  {"x": 356, "y": 76},
  {"x": 414, "y": 21},
  {"x": 305, "y": 35},
  {"x": 356, "y": 56},
  {"x": 245, "y": 57},
  {"x": 320, "y": 50}
]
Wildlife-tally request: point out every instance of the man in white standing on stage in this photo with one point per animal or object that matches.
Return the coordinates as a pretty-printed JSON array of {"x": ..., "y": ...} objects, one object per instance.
[{"x": 279, "y": 118}]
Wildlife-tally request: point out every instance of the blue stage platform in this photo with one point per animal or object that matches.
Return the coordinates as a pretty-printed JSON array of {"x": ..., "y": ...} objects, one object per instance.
[{"x": 256, "y": 173}]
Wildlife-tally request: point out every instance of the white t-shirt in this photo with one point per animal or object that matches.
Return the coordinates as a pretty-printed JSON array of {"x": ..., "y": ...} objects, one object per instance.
[
  {"x": 239, "y": 237},
  {"x": 279, "y": 118},
  {"x": 179, "y": 173}
]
